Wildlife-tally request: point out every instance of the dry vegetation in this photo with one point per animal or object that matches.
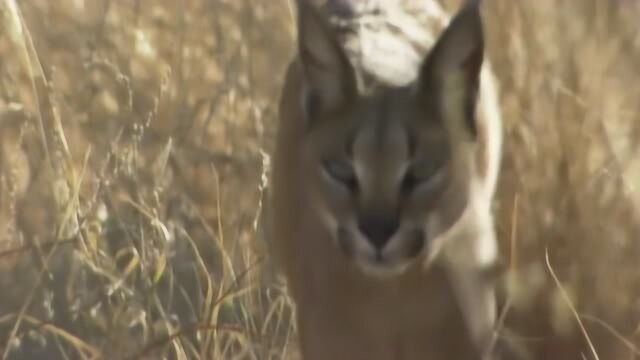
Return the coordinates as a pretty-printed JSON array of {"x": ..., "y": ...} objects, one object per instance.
[{"x": 132, "y": 141}]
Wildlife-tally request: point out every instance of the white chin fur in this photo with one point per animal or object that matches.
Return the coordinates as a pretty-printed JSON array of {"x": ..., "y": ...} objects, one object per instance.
[
  {"x": 391, "y": 263},
  {"x": 381, "y": 269}
]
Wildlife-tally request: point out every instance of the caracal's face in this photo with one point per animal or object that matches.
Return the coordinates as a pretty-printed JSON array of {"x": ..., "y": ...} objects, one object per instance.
[
  {"x": 386, "y": 169},
  {"x": 383, "y": 181}
]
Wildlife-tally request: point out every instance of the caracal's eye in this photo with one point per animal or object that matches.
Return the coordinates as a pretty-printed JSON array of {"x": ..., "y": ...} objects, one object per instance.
[
  {"x": 422, "y": 174},
  {"x": 342, "y": 172}
]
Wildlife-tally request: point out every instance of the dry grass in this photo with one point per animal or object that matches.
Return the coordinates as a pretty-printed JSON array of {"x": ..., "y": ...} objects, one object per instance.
[{"x": 131, "y": 161}]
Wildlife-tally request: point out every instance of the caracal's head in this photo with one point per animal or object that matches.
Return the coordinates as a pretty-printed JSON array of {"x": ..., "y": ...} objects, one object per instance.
[{"x": 390, "y": 169}]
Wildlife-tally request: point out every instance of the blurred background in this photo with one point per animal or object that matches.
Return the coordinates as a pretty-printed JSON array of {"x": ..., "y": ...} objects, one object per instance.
[{"x": 133, "y": 155}]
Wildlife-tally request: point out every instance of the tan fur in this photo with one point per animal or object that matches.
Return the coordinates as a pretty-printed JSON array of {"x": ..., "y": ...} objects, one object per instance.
[{"x": 430, "y": 304}]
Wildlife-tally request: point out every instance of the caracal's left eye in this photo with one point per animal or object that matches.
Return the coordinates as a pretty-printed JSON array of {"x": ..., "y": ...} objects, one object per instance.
[{"x": 422, "y": 174}]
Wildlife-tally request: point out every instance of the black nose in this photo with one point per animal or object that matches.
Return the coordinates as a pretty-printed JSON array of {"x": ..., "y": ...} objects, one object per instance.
[{"x": 378, "y": 228}]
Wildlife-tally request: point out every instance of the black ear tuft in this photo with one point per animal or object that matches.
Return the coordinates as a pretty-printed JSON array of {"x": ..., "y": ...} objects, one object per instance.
[
  {"x": 328, "y": 74},
  {"x": 451, "y": 72}
]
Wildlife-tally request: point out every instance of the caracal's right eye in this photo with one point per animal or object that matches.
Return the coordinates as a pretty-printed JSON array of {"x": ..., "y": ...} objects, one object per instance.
[{"x": 342, "y": 172}]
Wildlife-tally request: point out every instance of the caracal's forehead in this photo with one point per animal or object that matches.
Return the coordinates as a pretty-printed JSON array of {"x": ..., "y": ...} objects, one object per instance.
[
  {"x": 380, "y": 132},
  {"x": 385, "y": 126},
  {"x": 380, "y": 145}
]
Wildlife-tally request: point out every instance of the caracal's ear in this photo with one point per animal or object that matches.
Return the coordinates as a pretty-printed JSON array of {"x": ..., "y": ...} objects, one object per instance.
[
  {"x": 329, "y": 77},
  {"x": 450, "y": 74}
]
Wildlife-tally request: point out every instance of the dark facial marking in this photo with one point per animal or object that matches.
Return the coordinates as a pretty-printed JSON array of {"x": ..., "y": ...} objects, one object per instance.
[
  {"x": 417, "y": 242},
  {"x": 344, "y": 241},
  {"x": 380, "y": 112}
]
